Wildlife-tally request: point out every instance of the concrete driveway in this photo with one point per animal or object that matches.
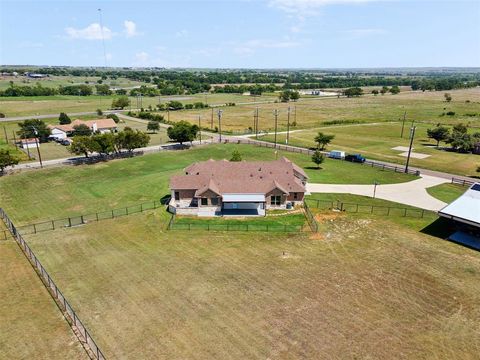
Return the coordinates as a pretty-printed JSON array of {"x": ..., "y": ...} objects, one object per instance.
[{"x": 411, "y": 193}]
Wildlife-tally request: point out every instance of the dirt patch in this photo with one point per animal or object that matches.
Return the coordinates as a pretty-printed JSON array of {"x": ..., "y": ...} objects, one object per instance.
[{"x": 330, "y": 216}]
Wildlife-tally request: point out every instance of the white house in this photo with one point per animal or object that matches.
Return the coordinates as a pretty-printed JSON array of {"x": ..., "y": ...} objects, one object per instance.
[
  {"x": 98, "y": 125},
  {"x": 29, "y": 143}
]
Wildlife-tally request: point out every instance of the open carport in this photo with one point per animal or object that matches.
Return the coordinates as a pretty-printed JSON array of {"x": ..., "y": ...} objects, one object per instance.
[{"x": 243, "y": 205}]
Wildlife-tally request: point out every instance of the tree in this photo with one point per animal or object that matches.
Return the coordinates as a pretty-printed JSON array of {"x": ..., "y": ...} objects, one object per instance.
[
  {"x": 284, "y": 96},
  {"x": 120, "y": 102},
  {"x": 353, "y": 91},
  {"x": 130, "y": 140},
  {"x": 34, "y": 128},
  {"x": 64, "y": 119},
  {"x": 395, "y": 90},
  {"x": 153, "y": 126},
  {"x": 384, "y": 90},
  {"x": 81, "y": 130},
  {"x": 236, "y": 156},
  {"x": 439, "y": 133},
  {"x": 182, "y": 131},
  {"x": 103, "y": 89},
  {"x": 105, "y": 143},
  {"x": 459, "y": 139},
  {"x": 323, "y": 140},
  {"x": 175, "y": 105},
  {"x": 99, "y": 112},
  {"x": 114, "y": 117},
  {"x": 448, "y": 97},
  {"x": 83, "y": 145},
  {"x": 6, "y": 159},
  {"x": 318, "y": 158},
  {"x": 375, "y": 92},
  {"x": 294, "y": 95}
]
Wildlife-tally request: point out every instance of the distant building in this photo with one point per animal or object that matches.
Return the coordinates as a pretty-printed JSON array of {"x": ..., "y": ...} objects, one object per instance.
[
  {"x": 29, "y": 143},
  {"x": 211, "y": 188},
  {"x": 36, "y": 76},
  {"x": 99, "y": 125}
]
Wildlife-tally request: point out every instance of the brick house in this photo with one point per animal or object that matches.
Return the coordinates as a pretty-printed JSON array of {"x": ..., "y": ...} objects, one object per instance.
[
  {"x": 223, "y": 187},
  {"x": 99, "y": 125}
]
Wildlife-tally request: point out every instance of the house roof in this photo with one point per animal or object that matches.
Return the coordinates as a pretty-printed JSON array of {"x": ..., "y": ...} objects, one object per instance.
[
  {"x": 101, "y": 124},
  {"x": 466, "y": 208},
  {"x": 29, "y": 141},
  {"x": 256, "y": 177}
]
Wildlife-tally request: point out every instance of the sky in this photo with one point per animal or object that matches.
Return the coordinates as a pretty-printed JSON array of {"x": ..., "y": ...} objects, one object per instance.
[{"x": 241, "y": 33}]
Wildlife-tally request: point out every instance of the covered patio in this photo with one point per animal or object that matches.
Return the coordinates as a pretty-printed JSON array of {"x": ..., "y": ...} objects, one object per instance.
[{"x": 243, "y": 205}]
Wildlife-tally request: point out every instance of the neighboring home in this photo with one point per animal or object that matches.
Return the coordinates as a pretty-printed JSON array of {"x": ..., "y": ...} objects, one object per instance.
[
  {"x": 29, "y": 143},
  {"x": 98, "y": 125},
  {"x": 465, "y": 213},
  {"x": 241, "y": 188}
]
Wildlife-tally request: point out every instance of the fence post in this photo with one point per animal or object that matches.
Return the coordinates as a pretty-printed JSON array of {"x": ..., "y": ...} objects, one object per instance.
[
  {"x": 318, "y": 202},
  {"x": 405, "y": 212},
  {"x": 96, "y": 215},
  {"x": 388, "y": 211},
  {"x": 34, "y": 229},
  {"x": 126, "y": 210},
  {"x": 341, "y": 206},
  {"x": 69, "y": 222},
  {"x": 371, "y": 210},
  {"x": 423, "y": 211},
  {"x": 141, "y": 207},
  {"x": 81, "y": 219},
  {"x": 53, "y": 225},
  {"x": 357, "y": 208},
  {"x": 112, "y": 214}
]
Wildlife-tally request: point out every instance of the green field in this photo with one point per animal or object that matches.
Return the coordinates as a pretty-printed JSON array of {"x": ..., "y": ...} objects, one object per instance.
[
  {"x": 377, "y": 140},
  {"x": 32, "y": 327},
  {"x": 68, "y": 191},
  {"x": 357, "y": 284},
  {"x": 446, "y": 192}
]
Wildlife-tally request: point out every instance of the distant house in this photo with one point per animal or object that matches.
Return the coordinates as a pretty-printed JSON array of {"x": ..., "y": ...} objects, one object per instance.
[
  {"x": 223, "y": 187},
  {"x": 29, "y": 143},
  {"x": 99, "y": 125}
]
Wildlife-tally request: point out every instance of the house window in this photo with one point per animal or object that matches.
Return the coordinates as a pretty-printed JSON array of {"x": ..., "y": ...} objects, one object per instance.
[
  {"x": 177, "y": 195},
  {"x": 204, "y": 201},
  {"x": 295, "y": 196},
  {"x": 276, "y": 199},
  {"x": 214, "y": 201}
]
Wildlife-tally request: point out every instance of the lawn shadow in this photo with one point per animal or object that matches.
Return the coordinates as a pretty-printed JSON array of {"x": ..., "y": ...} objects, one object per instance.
[
  {"x": 165, "y": 199},
  {"x": 313, "y": 168}
]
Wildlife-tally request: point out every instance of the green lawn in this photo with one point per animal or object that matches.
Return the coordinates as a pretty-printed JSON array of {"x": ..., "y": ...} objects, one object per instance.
[
  {"x": 288, "y": 222},
  {"x": 376, "y": 140},
  {"x": 446, "y": 192},
  {"x": 69, "y": 191},
  {"x": 149, "y": 293},
  {"x": 32, "y": 327}
]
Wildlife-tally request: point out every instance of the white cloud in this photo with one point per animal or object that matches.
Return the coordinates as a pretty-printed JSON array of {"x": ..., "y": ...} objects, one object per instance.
[
  {"x": 308, "y": 7},
  {"x": 30, "y": 44},
  {"x": 249, "y": 47},
  {"x": 181, "y": 33},
  {"x": 295, "y": 29},
  {"x": 130, "y": 29},
  {"x": 91, "y": 32}
]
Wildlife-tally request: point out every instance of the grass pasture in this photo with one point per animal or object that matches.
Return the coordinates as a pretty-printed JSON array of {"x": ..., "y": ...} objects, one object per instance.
[
  {"x": 361, "y": 288},
  {"x": 32, "y": 327},
  {"x": 447, "y": 192},
  {"x": 71, "y": 191},
  {"x": 376, "y": 140}
]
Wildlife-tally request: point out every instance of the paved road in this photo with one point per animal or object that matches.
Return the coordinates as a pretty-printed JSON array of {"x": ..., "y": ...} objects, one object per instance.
[{"x": 411, "y": 193}]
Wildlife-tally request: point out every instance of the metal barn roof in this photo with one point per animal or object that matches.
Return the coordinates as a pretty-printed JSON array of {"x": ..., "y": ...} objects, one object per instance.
[{"x": 466, "y": 208}]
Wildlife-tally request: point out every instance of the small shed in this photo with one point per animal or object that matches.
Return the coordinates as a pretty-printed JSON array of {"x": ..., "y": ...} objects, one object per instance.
[{"x": 29, "y": 143}]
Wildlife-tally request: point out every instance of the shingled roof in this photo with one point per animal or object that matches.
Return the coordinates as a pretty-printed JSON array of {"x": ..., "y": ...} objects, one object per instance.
[
  {"x": 100, "y": 123},
  {"x": 223, "y": 177}
]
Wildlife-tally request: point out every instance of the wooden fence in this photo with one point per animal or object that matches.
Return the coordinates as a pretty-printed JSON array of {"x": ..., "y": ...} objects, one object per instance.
[{"x": 463, "y": 182}]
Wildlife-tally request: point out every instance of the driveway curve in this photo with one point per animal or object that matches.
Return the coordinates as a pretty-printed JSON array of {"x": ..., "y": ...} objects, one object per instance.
[{"x": 413, "y": 193}]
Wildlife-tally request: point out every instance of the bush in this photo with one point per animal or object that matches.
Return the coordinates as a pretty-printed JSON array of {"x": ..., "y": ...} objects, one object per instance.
[
  {"x": 114, "y": 117},
  {"x": 450, "y": 113}
]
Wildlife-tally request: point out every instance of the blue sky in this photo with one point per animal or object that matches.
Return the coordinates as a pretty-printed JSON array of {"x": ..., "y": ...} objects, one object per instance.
[{"x": 247, "y": 34}]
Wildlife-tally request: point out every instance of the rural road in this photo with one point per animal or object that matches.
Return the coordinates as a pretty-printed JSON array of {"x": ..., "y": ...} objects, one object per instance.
[{"x": 411, "y": 193}]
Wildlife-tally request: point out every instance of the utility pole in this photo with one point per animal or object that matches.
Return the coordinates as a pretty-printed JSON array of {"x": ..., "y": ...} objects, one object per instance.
[
  {"x": 14, "y": 139},
  {"x": 5, "y": 132},
  {"x": 24, "y": 142},
  {"x": 254, "y": 121},
  {"x": 38, "y": 151},
  {"x": 403, "y": 123},
  {"x": 288, "y": 126},
  {"x": 275, "y": 113},
  {"x": 199, "y": 129},
  {"x": 375, "y": 183},
  {"x": 295, "y": 114},
  {"x": 211, "y": 121},
  {"x": 256, "y": 125},
  {"x": 219, "y": 113},
  {"x": 412, "y": 135}
]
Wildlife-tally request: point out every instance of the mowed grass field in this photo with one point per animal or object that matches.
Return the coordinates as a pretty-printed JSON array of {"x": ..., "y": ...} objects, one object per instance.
[
  {"x": 31, "y": 326},
  {"x": 377, "y": 140},
  {"x": 69, "y": 191},
  {"x": 361, "y": 288}
]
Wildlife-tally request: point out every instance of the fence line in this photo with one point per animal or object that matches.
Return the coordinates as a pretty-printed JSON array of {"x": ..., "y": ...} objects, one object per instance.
[
  {"x": 371, "y": 209},
  {"x": 70, "y": 315},
  {"x": 295, "y": 149},
  {"x": 462, "y": 182},
  {"x": 51, "y": 225},
  {"x": 310, "y": 217}
]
